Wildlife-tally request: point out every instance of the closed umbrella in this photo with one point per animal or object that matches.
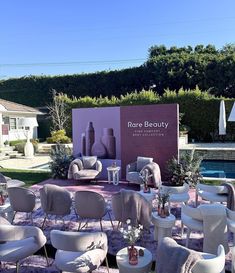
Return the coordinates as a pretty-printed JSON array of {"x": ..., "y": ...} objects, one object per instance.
[
  {"x": 222, "y": 119},
  {"x": 232, "y": 114}
]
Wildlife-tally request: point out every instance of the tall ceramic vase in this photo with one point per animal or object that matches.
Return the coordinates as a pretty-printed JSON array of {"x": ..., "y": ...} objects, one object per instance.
[
  {"x": 109, "y": 141},
  {"x": 83, "y": 144},
  {"x": 90, "y": 137}
]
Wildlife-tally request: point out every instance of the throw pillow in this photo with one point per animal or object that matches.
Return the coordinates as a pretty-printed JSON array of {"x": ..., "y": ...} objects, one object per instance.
[
  {"x": 89, "y": 162},
  {"x": 143, "y": 161}
]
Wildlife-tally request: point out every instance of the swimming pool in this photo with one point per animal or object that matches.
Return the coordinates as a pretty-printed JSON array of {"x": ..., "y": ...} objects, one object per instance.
[{"x": 218, "y": 168}]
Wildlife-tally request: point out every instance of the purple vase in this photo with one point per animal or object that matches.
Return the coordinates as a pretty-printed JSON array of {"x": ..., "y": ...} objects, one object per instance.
[
  {"x": 83, "y": 144},
  {"x": 109, "y": 141},
  {"x": 90, "y": 137},
  {"x": 99, "y": 150}
]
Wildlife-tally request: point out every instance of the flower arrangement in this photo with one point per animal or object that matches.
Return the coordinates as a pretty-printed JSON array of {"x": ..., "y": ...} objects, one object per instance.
[
  {"x": 163, "y": 198},
  {"x": 131, "y": 233},
  {"x": 144, "y": 175},
  {"x": 186, "y": 169}
]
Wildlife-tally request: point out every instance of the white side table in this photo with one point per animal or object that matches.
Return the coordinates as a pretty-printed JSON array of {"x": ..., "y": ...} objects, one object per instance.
[
  {"x": 113, "y": 174},
  {"x": 148, "y": 195},
  {"x": 6, "y": 211},
  {"x": 144, "y": 262},
  {"x": 162, "y": 226}
]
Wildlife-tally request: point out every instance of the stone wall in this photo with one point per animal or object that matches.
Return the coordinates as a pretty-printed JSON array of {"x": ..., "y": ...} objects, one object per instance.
[{"x": 215, "y": 154}]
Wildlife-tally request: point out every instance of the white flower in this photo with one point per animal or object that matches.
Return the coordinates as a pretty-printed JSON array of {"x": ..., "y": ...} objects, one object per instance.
[{"x": 131, "y": 233}]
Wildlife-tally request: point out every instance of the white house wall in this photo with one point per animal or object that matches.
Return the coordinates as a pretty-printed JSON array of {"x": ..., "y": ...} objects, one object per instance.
[{"x": 18, "y": 134}]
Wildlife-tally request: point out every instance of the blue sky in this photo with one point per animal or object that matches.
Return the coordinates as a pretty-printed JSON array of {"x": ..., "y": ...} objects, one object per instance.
[{"x": 55, "y": 37}]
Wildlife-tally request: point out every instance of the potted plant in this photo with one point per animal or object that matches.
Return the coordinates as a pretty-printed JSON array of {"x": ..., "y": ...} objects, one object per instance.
[
  {"x": 185, "y": 170},
  {"x": 6, "y": 143}
]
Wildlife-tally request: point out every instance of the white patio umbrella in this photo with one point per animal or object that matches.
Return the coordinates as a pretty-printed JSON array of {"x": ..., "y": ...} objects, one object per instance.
[
  {"x": 222, "y": 119},
  {"x": 232, "y": 114}
]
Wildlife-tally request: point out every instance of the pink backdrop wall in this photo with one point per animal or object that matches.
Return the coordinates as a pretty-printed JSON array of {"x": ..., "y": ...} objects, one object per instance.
[
  {"x": 104, "y": 117},
  {"x": 149, "y": 130}
]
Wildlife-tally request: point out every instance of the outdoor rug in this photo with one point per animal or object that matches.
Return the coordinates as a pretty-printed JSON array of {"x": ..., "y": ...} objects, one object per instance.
[{"x": 115, "y": 239}]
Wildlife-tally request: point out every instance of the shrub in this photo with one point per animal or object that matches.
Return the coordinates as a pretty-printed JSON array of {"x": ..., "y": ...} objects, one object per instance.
[
  {"x": 186, "y": 169},
  {"x": 61, "y": 158},
  {"x": 14, "y": 142},
  {"x": 58, "y": 137},
  {"x": 19, "y": 146}
]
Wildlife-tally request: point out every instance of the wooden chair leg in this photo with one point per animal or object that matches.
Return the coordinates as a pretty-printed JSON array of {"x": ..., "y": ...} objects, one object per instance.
[
  {"x": 182, "y": 229},
  {"x": 188, "y": 236},
  {"x": 44, "y": 221},
  {"x": 196, "y": 199},
  {"x": 17, "y": 267},
  {"x": 45, "y": 251},
  {"x": 31, "y": 217},
  {"x": 107, "y": 263},
  {"x": 101, "y": 227},
  {"x": 110, "y": 219}
]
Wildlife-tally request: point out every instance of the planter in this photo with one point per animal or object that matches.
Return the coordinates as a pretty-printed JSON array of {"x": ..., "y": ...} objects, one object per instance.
[{"x": 174, "y": 189}]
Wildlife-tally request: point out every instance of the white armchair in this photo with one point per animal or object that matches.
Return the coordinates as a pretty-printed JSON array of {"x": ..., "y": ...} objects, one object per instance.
[
  {"x": 192, "y": 219},
  {"x": 19, "y": 242},
  {"x": 172, "y": 257},
  {"x": 211, "y": 263},
  {"x": 85, "y": 168},
  {"x": 211, "y": 219},
  {"x": 22, "y": 200},
  {"x": 134, "y": 170},
  {"x": 211, "y": 193},
  {"x": 79, "y": 251},
  {"x": 231, "y": 227}
]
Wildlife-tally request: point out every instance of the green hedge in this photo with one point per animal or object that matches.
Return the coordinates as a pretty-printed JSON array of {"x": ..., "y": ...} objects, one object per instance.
[
  {"x": 175, "y": 67},
  {"x": 200, "y": 109}
]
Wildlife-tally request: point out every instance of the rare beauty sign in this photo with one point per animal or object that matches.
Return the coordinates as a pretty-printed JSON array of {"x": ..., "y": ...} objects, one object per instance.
[
  {"x": 148, "y": 128},
  {"x": 151, "y": 131}
]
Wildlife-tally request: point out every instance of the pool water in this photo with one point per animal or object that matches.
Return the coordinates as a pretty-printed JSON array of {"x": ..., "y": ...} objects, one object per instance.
[{"x": 218, "y": 168}]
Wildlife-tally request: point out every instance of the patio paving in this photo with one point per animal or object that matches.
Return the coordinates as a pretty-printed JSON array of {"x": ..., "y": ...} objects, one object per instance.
[{"x": 25, "y": 163}]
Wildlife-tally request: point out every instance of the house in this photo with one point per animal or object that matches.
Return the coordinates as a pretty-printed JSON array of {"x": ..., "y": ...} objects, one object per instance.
[{"x": 17, "y": 121}]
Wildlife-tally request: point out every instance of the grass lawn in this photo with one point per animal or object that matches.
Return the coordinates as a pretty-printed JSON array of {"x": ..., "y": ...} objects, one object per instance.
[{"x": 29, "y": 177}]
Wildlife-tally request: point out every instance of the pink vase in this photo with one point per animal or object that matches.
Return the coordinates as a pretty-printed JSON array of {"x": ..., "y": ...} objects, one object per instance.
[
  {"x": 83, "y": 144},
  {"x": 90, "y": 137},
  {"x": 109, "y": 141},
  {"x": 132, "y": 255}
]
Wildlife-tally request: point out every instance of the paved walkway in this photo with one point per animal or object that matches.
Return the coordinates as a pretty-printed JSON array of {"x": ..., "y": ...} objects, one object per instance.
[{"x": 25, "y": 163}]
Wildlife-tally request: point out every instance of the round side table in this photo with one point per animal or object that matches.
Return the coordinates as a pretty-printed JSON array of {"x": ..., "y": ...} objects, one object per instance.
[
  {"x": 114, "y": 173},
  {"x": 148, "y": 195},
  {"x": 162, "y": 226},
  {"x": 144, "y": 262}
]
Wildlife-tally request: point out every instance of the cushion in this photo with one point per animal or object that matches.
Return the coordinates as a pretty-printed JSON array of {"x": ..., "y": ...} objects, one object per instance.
[
  {"x": 134, "y": 177},
  {"x": 86, "y": 174},
  {"x": 143, "y": 161},
  {"x": 89, "y": 162}
]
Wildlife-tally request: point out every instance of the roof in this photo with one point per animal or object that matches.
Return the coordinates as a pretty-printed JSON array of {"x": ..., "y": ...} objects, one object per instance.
[{"x": 16, "y": 107}]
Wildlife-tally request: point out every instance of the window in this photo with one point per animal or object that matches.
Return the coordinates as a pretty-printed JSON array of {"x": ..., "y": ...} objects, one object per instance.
[
  {"x": 12, "y": 123},
  {"x": 5, "y": 120}
]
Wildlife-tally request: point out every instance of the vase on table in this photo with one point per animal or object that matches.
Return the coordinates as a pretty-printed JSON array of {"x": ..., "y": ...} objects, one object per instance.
[
  {"x": 2, "y": 200},
  {"x": 132, "y": 255},
  {"x": 163, "y": 211},
  {"x": 89, "y": 137}
]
